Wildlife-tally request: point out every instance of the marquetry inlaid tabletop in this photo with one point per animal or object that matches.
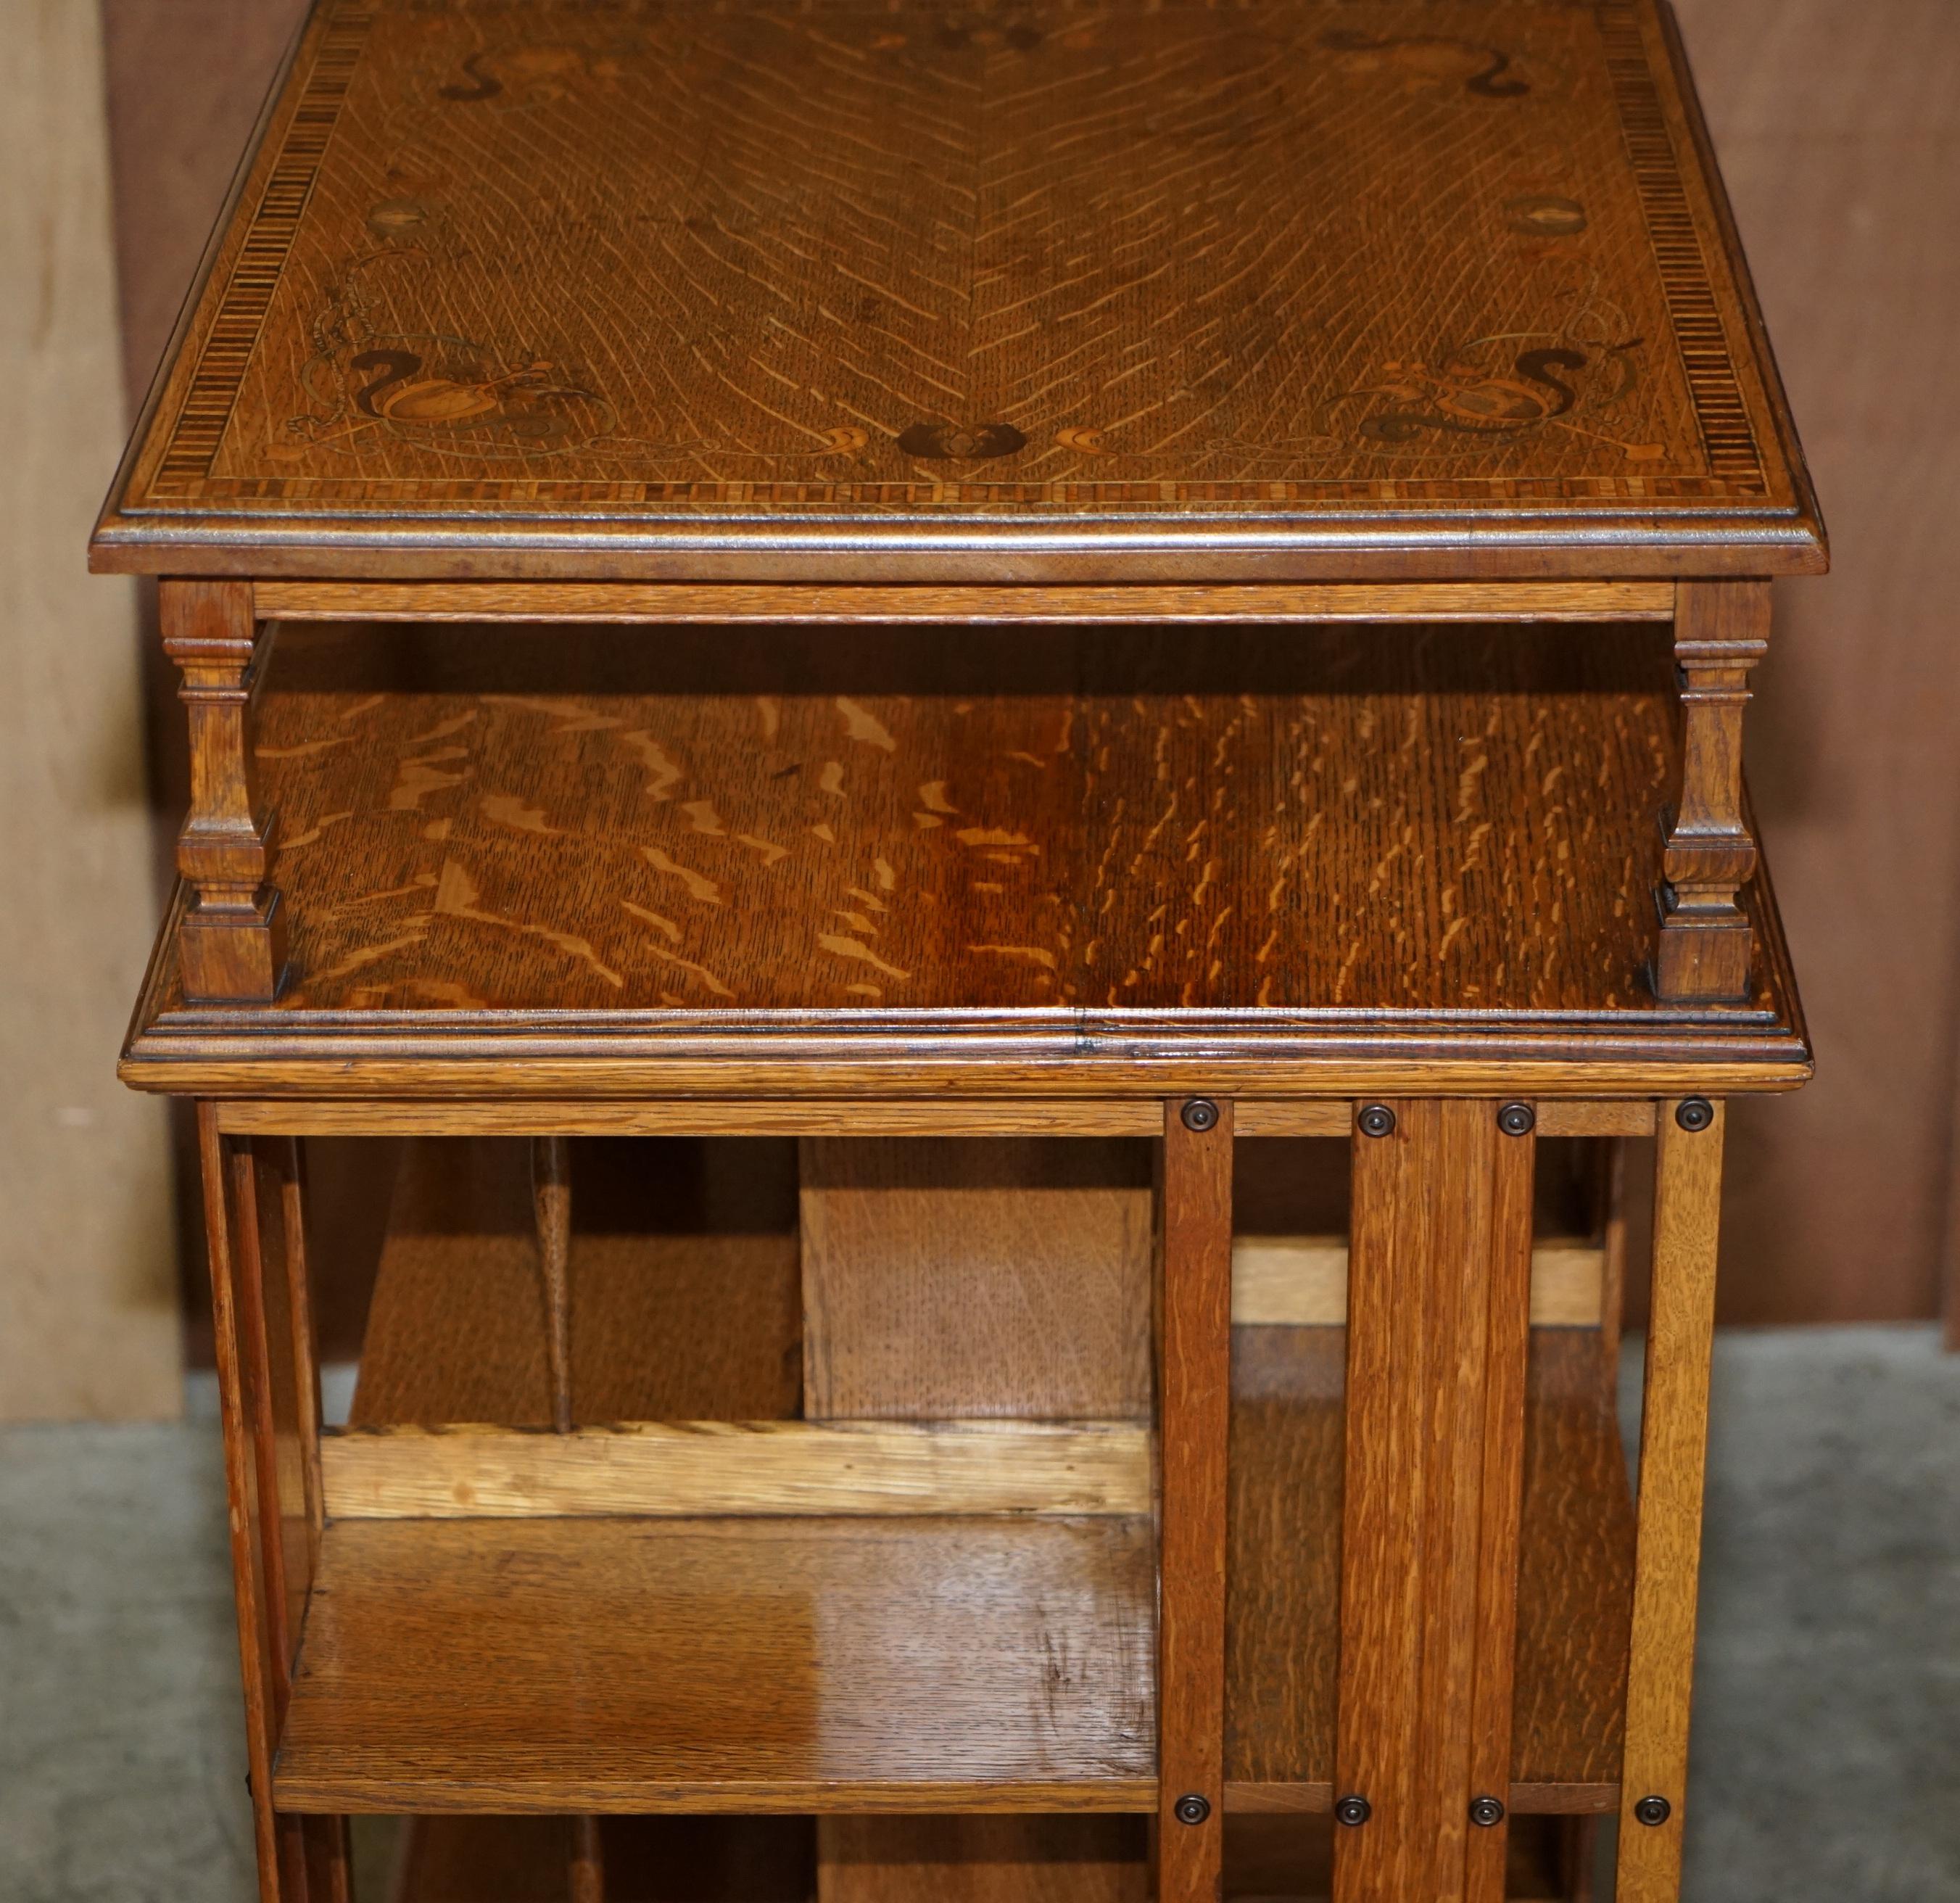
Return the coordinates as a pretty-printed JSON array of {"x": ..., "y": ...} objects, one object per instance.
[{"x": 574, "y": 288}]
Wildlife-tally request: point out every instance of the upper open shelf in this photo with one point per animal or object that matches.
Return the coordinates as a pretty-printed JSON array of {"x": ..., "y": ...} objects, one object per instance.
[{"x": 719, "y": 845}]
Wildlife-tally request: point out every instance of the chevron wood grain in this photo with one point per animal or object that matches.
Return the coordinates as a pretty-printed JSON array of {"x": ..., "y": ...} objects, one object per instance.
[{"x": 617, "y": 273}]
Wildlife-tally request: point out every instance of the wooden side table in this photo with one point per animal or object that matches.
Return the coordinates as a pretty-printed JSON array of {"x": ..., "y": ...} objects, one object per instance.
[{"x": 1130, "y": 629}]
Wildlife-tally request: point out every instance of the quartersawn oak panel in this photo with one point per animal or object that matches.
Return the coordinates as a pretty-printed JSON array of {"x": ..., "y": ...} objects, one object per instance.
[
  {"x": 641, "y": 278},
  {"x": 1459, "y": 820},
  {"x": 759, "y": 1665},
  {"x": 1283, "y": 1624},
  {"x": 1000, "y": 1277}
]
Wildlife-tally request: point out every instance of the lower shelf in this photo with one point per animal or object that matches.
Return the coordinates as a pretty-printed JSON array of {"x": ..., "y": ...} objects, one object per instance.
[
  {"x": 769, "y": 1665},
  {"x": 1575, "y": 1584},
  {"x": 1029, "y": 1859}
]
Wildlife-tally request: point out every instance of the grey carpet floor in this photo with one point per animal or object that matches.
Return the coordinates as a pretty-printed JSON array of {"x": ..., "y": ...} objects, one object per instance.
[{"x": 1827, "y": 1714}]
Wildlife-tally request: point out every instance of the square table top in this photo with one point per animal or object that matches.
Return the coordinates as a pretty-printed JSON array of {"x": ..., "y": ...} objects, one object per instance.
[{"x": 1026, "y": 290}]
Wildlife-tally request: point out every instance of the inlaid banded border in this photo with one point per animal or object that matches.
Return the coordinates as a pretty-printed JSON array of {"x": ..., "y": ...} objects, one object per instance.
[
  {"x": 1727, "y": 437},
  {"x": 207, "y": 404}
]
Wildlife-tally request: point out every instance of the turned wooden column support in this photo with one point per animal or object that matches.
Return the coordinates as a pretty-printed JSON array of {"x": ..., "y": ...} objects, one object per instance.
[
  {"x": 1721, "y": 630},
  {"x": 232, "y": 945}
]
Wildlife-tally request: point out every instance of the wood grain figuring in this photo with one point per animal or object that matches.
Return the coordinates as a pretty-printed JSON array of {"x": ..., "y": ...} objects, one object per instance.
[
  {"x": 632, "y": 285},
  {"x": 987, "y": 1278},
  {"x": 1575, "y": 1574},
  {"x": 982, "y": 1860},
  {"x": 1565, "y": 601},
  {"x": 1435, "y": 1415},
  {"x": 1673, "y": 1431},
  {"x": 756, "y": 1666},
  {"x": 715, "y": 1468},
  {"x": 1302, "y": 1281},
  {"x": 737, "y": 826},
  {"x": 233, "y": 941},
  {"x": 666, "y": 1325},
  {"x": 1193, "y": 1384}
]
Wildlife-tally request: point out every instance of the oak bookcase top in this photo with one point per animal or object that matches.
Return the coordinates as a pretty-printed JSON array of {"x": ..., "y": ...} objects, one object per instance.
[{"x": 835, "y": 290}]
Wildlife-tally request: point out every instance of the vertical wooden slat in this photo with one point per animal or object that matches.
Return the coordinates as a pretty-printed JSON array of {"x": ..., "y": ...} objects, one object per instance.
[
  {"x": 289, "y": 1170},
  {"x": 1507, "y": 1348},
  {"x": 1674, "y": 1432},
  {"x": 272, "y": 1275},
  {"x": 242, "y": 1498},
  {"x": 587, "y": 1883},
  {"x": 1194, "y": 1400},
  {"x": 259, "y": 1389},
  {"x": 551, "y": 1196},
  {"x": 551, "y": 1204},
  {"x": 258, "y": 1327},
  {"x": 1438, "y": 1310}
]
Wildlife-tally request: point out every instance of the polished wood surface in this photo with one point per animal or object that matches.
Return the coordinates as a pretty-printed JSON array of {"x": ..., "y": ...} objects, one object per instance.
[
  {"x": 1575, "y": 1572},
  {"x": 734, "y": 1665},
  {"x": 632, "y": 285},
  {"x": 823, "y": 849}
]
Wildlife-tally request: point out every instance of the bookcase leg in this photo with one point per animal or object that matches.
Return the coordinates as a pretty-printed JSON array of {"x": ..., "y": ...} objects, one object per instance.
[
  {"x": 1438, "y": 1306},
  {"x": 231, "y": 944},
  {"x": 1721, "y": 631},
  {"x": 269, "y": 1386},
  {"x": 1674, "y": 1433},
  {"x": 1194, "y": 1336}
]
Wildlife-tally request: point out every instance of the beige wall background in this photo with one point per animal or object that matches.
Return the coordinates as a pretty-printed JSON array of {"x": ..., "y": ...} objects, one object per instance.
[
  {"x": 1838, "y": 124},
  {"x": 88, "y": 1306}
]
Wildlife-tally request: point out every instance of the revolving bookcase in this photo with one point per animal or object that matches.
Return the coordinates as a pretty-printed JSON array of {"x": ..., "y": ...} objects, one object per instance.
[{"x": 983, "y": 775}]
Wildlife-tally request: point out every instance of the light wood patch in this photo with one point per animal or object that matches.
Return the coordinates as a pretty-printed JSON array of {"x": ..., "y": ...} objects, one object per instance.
[
  {"x": 1302, "y": 1281},
  {"x": 714, "y": 1468}
]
